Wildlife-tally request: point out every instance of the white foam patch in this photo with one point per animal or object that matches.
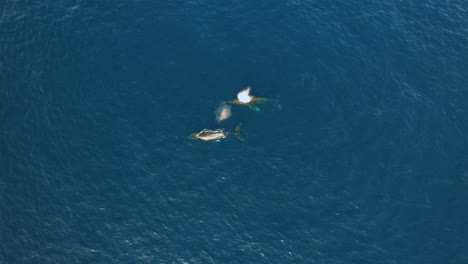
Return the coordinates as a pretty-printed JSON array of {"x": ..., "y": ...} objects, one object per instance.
[
  {"x": 223, "y": 112},
  {"x": 244, "y": 96}
]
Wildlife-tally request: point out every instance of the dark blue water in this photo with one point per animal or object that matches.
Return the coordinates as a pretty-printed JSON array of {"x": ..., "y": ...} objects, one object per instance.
[{"x": 367, "y": 162}]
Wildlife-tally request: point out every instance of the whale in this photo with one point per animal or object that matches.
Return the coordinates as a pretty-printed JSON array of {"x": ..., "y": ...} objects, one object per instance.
[
  {"x": 244, "y": 98},
  {"x": 216, "y": 135}
]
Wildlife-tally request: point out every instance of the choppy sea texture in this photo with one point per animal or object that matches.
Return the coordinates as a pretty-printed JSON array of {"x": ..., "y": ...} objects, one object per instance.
[{"x": 366, "y": 163}]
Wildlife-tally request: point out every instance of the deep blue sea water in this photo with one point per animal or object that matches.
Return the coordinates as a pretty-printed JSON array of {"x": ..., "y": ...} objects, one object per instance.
[{"x": 367, "y": 162}]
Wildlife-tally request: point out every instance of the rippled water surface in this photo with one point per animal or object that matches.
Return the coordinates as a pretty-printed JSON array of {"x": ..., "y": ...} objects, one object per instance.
[{"x": 366, "y": 162}]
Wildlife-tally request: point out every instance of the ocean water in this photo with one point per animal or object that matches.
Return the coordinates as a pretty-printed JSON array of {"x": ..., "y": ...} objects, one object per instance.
[{"x": 367, "y": 162}]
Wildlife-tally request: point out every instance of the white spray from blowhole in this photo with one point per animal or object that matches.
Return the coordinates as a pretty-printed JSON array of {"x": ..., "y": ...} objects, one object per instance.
[
  {"x": 223, "y": 112},
  {"x": 244, "y": 96}
]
